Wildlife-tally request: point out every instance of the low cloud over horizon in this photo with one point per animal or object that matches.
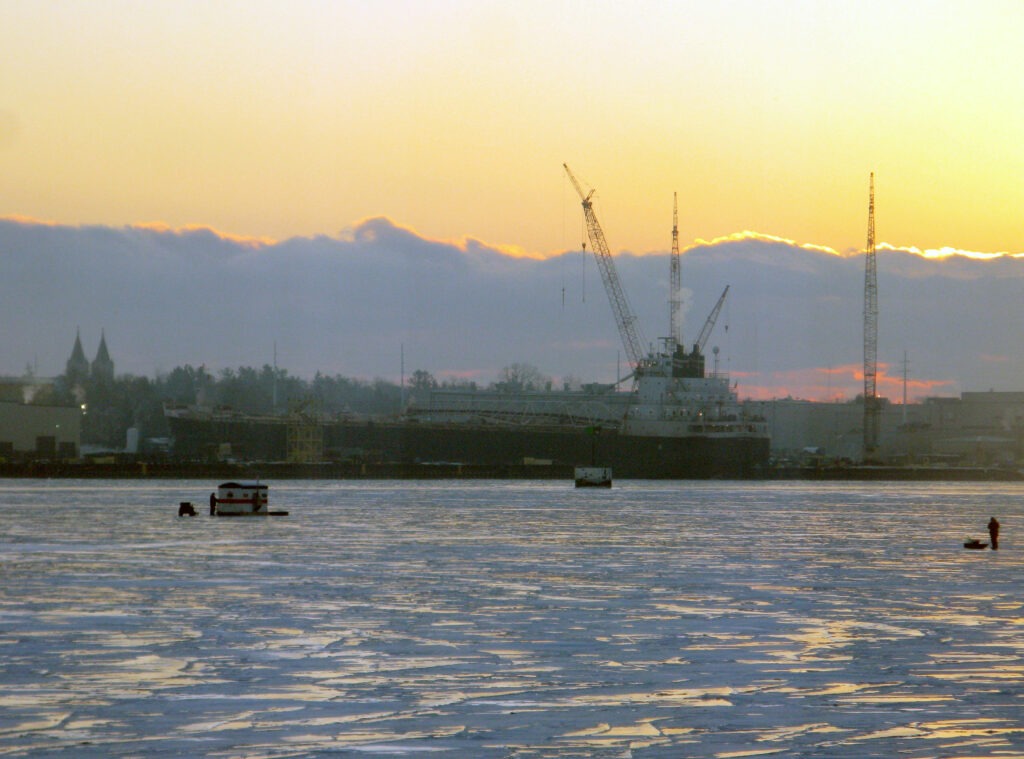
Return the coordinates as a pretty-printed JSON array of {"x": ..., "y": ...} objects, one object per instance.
[{"x": 354, "y": 304}]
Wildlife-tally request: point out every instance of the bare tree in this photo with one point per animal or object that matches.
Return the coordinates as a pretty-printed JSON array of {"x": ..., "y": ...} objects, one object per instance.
[{"x": 518, "y": 377}]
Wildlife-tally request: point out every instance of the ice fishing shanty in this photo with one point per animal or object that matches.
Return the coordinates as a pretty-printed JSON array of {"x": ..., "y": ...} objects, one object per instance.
[{"x": 242, "y": 499}]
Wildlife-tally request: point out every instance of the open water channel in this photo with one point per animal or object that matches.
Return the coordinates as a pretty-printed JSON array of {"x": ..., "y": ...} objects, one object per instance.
[{"x": 512, "y": 619}]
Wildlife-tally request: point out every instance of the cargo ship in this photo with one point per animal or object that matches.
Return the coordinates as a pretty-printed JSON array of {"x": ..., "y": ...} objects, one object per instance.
[
  {"x": 676, "y": 420},
  {"x": 674, "y": 423}
]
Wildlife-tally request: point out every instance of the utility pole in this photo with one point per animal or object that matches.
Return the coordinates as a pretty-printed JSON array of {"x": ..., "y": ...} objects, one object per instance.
[
  {"x": 906, "y": 369},
  {"x": 871, "y": 401}
]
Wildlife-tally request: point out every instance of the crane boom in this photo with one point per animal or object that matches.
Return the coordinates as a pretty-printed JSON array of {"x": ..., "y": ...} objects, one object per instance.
[
  {"x": 709, "y": 325},
  {"x": 624, "y": 317}
]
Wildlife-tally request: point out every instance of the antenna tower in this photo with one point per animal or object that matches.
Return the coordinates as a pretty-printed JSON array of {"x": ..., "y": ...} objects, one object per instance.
[
  {"x": 871, "y": 401},
  {"x": 675, "y": 281}
]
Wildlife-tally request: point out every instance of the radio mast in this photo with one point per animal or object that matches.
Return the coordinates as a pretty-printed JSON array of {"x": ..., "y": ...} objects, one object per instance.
[
  {"x": 675, "y": 281},
  {"x": 871, "y": 400}
]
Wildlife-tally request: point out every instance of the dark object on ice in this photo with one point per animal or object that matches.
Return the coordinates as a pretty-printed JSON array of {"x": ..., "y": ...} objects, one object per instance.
[
  {"x": 186, "y": 509},
  {"x": 975, "y": 544},
  {"x": 213, "y": 504},
  {"x": 993, "y": 533}
]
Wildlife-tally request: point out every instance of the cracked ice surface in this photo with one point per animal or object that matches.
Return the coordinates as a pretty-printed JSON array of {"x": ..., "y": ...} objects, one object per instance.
[{"x": 493, "y": 619}]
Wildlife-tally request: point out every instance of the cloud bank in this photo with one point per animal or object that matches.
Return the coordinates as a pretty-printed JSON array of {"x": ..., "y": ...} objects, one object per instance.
[{"x": 355, "y": 303}]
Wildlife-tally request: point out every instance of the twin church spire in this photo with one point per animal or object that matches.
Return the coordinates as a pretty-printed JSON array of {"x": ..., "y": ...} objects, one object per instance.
[{"x": 78, "y": 367}]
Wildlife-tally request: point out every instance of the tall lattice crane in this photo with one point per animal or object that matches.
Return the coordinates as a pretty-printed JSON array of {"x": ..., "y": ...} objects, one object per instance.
[
  {"x": 675, "y": 283},
  {"x": 624, "y": 317},
  {"x": 872, "y": 406}
]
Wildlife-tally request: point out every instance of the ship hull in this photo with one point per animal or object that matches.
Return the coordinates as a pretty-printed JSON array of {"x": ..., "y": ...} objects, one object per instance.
[{"x": 630, "y": 456}]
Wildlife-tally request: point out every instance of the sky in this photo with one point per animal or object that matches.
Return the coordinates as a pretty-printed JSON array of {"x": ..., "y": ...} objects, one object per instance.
[{"x": 285, "y": 123}]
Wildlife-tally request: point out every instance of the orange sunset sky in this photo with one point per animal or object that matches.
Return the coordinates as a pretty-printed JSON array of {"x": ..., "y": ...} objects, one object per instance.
[{"x": 453, "y": 117}]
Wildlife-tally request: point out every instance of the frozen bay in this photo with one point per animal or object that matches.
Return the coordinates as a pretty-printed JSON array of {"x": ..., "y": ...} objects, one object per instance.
[{"x": 512, "y": 619}]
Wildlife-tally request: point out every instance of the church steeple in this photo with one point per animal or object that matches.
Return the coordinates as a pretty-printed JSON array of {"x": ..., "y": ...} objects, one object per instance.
[
  {"x": 102, "y": 365},
  {"x": 77, "y": 367}
]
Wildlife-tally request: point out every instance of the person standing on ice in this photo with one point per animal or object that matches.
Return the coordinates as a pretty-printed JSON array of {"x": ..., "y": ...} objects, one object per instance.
[{"x": 993, "y": 533}]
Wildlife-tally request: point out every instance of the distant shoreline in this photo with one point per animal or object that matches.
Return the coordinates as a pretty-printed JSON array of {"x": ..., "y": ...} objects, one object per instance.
[{"x": 131, "y": 470}]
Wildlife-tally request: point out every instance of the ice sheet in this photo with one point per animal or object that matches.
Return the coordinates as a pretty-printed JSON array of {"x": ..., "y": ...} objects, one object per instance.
[{"x": 492, "y": 619}]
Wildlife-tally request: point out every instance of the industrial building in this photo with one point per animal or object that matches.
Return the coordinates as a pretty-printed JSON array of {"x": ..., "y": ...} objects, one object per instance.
[
  {"x": 980, "y": 429},
  {"x": 34, "y": 431},
  {"x": 31, "y": 431}
]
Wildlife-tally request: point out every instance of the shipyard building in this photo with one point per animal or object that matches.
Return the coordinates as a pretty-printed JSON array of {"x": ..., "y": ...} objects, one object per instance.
[{"x": 981, "y": 429}]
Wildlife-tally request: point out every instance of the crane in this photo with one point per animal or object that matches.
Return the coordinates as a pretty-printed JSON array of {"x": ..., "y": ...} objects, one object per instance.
[
  {"x": 705, "y": 333},
  {"x": 872, "y": 407},
  {"x": 624, "y": 317}
]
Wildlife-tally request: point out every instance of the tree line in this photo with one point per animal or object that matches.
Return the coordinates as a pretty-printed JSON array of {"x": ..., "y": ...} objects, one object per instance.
[{"x": 112, "y": 405}]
